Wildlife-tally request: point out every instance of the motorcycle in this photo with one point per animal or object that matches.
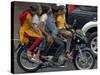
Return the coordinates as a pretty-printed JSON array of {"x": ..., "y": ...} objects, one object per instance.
[{"x": 82, "y": 56}]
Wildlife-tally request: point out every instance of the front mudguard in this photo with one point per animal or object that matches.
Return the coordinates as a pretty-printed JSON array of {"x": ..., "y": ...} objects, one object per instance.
[{"x": 76, "y": 51}]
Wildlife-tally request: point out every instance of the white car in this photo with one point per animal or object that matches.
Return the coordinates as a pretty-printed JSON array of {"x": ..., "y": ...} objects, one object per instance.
[
  {"x": 90, "y": 29},
  {"x": 86, "y": 17}
]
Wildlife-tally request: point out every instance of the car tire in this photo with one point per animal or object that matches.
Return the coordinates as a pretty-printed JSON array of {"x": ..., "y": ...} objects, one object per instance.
[{"x": 92, "y": 41}]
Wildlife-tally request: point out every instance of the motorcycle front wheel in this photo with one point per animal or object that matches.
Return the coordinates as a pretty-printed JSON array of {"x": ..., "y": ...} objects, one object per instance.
[{"x": 85, "y": 62}]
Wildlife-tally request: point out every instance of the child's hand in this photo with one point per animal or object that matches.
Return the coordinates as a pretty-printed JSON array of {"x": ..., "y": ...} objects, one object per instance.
[
  {"x": 43, "y": 37},
  {"x": 73, "y": 30},
  {"x": 50, "y": 39}
]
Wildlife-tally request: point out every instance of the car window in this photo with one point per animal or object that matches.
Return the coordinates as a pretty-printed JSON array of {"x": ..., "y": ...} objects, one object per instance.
[{"x": 88, "y": 8}]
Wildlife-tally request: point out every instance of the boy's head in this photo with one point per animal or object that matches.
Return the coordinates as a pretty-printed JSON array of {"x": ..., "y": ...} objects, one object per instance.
[
  {"x": 40, "y": 9},
  {"x": 61, "y": 9},
  {"x": 36, "y": 9},
  {"x": 47, "y": 9},
  {"x": 33, "y": 9},
  {"x": 54, "y": 9}
]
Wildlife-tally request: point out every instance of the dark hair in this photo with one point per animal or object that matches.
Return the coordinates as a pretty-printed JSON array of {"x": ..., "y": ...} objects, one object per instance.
[
  {"x": 34, "y": 7},
  {"x": 54, "y": 8},
  {"x": 61, "y": 7},
  {"x": 45, "y": 8}
]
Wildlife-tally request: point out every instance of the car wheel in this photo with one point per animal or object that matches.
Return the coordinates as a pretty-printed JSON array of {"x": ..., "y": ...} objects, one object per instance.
[{"x": 93, "y": 42}]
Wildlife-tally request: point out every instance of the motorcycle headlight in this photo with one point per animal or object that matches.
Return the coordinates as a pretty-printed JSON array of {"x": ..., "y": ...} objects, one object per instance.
[{"x": 78, "y": 40}]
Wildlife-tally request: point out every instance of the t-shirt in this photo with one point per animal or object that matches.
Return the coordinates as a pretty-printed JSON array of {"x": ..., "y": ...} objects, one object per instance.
[
  {"x": 60, "y": 22},
  {"x": 36, "y": 20},
  {"x": 51, "y": 25},
  {"x": 43, "y": 18}
]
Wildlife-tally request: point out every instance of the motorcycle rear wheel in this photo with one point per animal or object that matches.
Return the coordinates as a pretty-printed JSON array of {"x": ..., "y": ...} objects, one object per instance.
[{"x": 21, "y": 56}]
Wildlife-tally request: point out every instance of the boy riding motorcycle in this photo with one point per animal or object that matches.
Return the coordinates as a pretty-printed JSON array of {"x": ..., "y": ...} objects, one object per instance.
[
  {"x": 48, "y": 20},
  {"x": 63, "y": 27},
  {"x": 53, "y": 31}
]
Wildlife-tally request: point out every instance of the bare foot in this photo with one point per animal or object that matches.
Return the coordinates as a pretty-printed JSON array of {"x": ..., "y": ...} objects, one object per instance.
[
  {"x": 29, "y": 54},
  {"x": 69, "y": 55},
  {"x": 36, "y": 59}
]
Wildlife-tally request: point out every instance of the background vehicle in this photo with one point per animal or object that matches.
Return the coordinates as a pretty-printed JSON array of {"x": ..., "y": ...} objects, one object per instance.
[{"x": 86, "y": 17}]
